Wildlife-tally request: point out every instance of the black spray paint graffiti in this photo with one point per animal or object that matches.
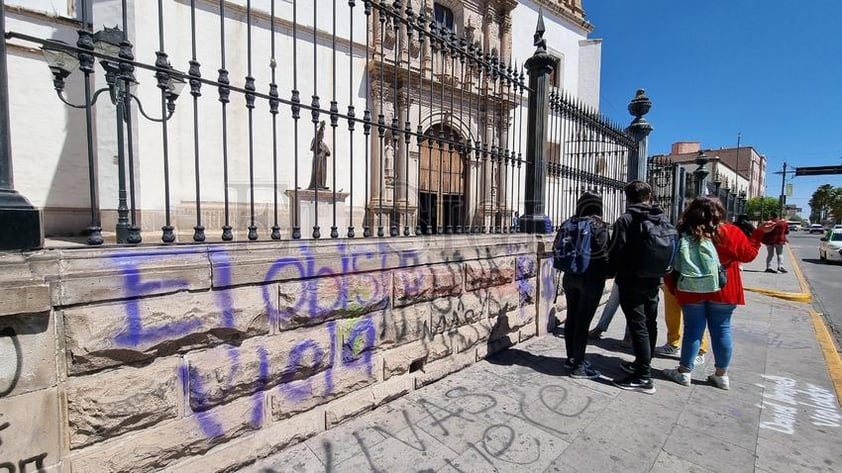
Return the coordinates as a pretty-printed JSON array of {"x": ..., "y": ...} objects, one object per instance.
[
  {"x": 11, "y": 354},
  {"x": 499, "y": 443},
  {"x": 37, "y": 461}
]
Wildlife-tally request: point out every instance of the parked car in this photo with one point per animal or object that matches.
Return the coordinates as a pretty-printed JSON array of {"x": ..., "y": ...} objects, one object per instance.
[
  {"x": 816, "y": 228},
  {"x": 830, "y": 248}
]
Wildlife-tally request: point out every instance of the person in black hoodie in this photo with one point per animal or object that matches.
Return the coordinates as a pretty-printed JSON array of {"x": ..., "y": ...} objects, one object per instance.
[
  {"x": 583, "y": 291},
  {"x": 638, "y": 296}
]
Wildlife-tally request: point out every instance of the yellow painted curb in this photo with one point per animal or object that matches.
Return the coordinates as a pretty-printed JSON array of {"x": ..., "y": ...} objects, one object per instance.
[
  {"x": 831, "y": 354},
  {"x": 796, "y": 266},
  {"x": 805, "y": 295}
]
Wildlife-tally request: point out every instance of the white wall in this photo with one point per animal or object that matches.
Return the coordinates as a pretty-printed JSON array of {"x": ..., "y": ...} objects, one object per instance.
[
  {"x": 563, "y": 40},
  {"x": 590, "y": 65}
]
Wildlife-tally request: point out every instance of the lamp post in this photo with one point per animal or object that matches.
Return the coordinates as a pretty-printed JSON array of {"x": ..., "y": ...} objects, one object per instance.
[
  {"x": 701, "y": 172},
  {"x": 20, "y": 221},
  {"x": 115, "y": 53}
]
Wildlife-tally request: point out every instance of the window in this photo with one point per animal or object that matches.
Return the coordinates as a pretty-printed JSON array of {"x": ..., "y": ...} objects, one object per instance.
[
  {"x": 444, "y": 16},
  {"x": 555, "y": 76}
]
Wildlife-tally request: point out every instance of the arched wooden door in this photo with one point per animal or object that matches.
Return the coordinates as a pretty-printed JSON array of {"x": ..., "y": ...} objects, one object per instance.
[{"x": 441, "y": 184}]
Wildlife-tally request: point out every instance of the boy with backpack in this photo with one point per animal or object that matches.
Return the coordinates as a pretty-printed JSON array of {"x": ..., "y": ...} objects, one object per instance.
[
  {"x": 642, "y": 250},
  {"x": 580, "y": 250}
]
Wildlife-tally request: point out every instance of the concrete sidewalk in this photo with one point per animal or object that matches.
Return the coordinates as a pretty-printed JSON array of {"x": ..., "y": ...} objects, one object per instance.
[{"x": 520, "y": 412}]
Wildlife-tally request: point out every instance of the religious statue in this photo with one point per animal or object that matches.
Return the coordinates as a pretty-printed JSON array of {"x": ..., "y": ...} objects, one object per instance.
[
  {"x": 388, "y": 161},
  {"x": 318, "y": 171}
]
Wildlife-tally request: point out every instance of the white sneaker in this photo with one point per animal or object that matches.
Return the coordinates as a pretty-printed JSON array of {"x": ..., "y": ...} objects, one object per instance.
[
  {"x": 700, "y": 359},
  {"x": 668, "y": 349},
  {"x": 721, "y": 382},
  {"x": 677, "y": 376}
]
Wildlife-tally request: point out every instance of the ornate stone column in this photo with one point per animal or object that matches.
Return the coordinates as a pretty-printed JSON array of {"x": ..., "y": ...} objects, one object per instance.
[{"x": 639, "y": 130}]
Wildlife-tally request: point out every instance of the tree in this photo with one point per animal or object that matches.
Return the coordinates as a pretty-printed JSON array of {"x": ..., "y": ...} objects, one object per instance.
[
  {"x": 836, "y": 204},
  {"x": 758, "y": 208},
  {"x": 821, "y": 202}
]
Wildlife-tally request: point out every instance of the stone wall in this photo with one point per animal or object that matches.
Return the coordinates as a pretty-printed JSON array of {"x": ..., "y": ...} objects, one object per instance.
[{"x": 206, "y": 357}]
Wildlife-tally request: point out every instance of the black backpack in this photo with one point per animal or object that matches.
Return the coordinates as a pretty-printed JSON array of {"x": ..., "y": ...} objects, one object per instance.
[{"x": 657, "y": 247}]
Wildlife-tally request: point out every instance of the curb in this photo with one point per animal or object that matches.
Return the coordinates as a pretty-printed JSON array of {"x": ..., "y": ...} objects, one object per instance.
[
  {"x": 830, "y": 352},
  {"x": 805, "y": 296}
]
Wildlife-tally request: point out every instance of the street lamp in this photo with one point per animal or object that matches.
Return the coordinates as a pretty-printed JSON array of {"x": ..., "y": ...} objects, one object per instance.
[
  {"x": 115, "y": 53},
  {"x": 701, "y": 172}
]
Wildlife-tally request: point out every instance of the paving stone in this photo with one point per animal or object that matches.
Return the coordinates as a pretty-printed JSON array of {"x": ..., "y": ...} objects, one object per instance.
[
  {"x": 344, "y": 441},
  {"x": 562, "y": 409},
  {"x": 668, "y": 463},
  {"x": 296, "y": 459},
  {"x": 798, "y": 456},
  {"x": 514, "y": 445},
  {"x": 589, "y": 454},
  {"x": 634, "y": 426},
  {"x": 409, "y": 450},
  {"x": 707, "y": 451},
  {"x": 727, "y": 419}
]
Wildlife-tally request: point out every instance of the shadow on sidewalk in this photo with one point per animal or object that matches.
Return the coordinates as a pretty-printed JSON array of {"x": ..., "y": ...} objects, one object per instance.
[{"x": 551, "y": 365}]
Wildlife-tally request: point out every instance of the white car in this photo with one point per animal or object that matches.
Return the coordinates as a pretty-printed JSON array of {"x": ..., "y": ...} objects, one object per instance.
[
  {"x": 816, "y": 228},
  {"x": 830, "y": 248}
]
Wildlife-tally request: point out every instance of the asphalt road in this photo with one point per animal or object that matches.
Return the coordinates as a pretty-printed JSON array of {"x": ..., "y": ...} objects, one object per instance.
[{"x": 825, "y": 279}]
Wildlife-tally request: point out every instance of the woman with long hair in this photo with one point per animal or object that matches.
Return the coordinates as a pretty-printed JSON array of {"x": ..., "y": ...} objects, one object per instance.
[{"x": 705, "y": 218}]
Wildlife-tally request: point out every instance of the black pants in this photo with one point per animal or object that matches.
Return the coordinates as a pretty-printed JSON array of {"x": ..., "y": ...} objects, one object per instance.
[
  {"x": 583, "y": 295},
  {"x": 640, "y": 305}
]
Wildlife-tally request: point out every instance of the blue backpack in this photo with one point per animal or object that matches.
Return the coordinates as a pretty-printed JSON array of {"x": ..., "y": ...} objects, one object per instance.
[{"x": 572, "y": 246}]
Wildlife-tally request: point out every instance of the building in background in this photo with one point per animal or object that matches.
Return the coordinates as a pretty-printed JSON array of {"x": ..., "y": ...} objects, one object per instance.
[{"x": 738, "y": 169}]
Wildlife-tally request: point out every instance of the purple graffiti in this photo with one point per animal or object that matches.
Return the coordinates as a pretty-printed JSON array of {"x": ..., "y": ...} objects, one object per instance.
[
  {"x": 134, "y": 287},
  {"x": 353, "y": 355},
  {"x": 192, "y": 386}
]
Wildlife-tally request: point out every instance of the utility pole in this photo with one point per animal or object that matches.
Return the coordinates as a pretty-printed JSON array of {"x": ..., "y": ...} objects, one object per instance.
[
  {"x": 783, "y": 191},
  {"x": 737, "y": 166}
]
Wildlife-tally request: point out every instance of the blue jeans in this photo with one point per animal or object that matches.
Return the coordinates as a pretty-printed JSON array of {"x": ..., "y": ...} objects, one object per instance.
[
  {"x": 717, "y": 317},
  {"x": 610, "y": 309}
]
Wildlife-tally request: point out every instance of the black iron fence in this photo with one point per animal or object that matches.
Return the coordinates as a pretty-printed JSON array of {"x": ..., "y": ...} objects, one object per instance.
[
  {"x": 673, "y": 187},
  {"x": 585, "y": 152},
  {"x": 379, "y": 121},
  {"x": 668, "y": 182}
]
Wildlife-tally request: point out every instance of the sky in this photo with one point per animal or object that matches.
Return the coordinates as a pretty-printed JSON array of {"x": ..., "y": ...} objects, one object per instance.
[{"x": 770, "y": 70}]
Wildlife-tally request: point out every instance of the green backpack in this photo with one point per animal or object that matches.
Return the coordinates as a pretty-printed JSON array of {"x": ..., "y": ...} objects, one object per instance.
[{"x": 697, "y": 267}]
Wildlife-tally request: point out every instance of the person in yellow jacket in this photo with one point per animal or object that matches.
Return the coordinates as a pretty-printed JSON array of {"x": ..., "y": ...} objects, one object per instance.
[{"x": 672, "y": 314}]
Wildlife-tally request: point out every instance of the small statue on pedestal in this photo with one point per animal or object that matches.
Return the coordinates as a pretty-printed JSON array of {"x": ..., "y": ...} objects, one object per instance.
[{"x": 318, "y": 170}]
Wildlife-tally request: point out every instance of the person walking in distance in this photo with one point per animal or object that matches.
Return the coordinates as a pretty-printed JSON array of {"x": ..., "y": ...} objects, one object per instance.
[
  {"x": 775, "y": 241},
  {"x": 642, "y": 249},
  {"x": 581, "y": 251},
  {"x": 705, "y": 222}
]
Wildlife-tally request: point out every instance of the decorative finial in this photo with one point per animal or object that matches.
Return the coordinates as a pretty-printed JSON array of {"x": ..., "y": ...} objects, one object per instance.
[
  {"x": 640, "y": 104},
  {"x": 539, "y": 42}
]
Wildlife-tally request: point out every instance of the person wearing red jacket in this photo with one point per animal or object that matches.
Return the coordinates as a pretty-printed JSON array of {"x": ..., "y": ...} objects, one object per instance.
[
  {"x": 706, "y": 218},
  {"x": 775, "y": 241}
]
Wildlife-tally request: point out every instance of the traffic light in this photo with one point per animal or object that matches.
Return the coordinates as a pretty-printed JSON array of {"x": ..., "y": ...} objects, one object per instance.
[{"x": 818, "y": 170}]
